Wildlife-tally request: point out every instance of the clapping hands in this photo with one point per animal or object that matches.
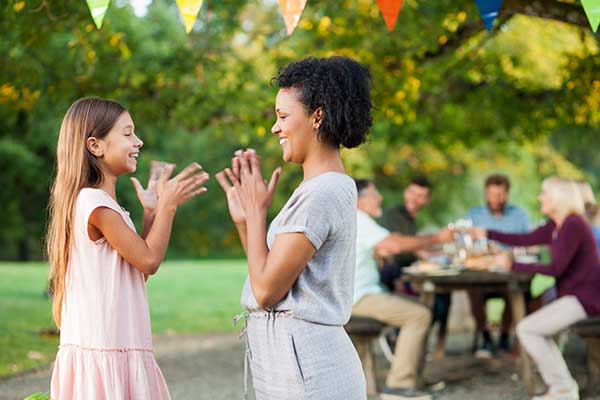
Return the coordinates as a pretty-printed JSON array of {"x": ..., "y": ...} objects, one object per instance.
[{"x": 248, "y": 194}]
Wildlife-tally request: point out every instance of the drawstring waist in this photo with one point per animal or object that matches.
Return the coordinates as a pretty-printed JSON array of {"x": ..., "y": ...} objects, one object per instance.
[{"x": 244, "y": 332}]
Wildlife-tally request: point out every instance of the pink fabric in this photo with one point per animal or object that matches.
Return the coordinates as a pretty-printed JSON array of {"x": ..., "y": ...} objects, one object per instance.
[{"x": 105, "y": 341}]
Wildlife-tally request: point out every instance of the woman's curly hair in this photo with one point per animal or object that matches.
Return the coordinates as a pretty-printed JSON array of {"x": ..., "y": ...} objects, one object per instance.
[{"x": 341, "y": 87}]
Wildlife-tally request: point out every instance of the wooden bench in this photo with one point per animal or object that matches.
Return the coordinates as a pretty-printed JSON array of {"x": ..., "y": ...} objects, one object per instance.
[
  {"x": 589, "y": 331},
  {"x": 362, "y": 331}
]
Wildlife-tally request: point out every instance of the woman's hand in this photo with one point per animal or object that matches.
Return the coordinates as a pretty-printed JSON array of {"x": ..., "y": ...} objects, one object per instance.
[
  {"x": 254, "y": 193},
  {"x": 227, "y": 179},
  {"x": 503, "y": 260},
  {"x": 186, "y": 185},
  {"x": 477, "y": 233}
]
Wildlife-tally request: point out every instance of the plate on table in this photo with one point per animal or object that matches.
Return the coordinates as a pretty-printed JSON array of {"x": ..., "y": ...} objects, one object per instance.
[{"x": 431, "y": 269}]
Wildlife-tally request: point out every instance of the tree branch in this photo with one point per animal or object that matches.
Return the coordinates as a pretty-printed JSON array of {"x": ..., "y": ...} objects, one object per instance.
[{"x": 571, "y": 13}]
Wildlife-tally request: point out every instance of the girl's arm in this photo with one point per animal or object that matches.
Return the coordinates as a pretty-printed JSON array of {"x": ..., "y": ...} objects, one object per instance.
[{"x": 146, "y": 254}]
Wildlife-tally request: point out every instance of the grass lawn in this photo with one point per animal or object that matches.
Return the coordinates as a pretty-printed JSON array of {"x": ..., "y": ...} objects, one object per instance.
[{"x": 185, "y": 297}]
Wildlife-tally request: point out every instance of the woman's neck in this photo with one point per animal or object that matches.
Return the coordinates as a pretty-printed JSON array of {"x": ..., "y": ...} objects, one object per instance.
[
  {"x": 323, "y": 159},
  {"x": 558, "y": 219}
]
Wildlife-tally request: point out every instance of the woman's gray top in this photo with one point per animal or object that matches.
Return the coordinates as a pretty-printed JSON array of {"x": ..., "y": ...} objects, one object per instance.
[{"x": 324, "y": 209}]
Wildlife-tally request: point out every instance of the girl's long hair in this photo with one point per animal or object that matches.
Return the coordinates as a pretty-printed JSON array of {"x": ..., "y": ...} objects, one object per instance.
[{"x": 76, "y": 168}]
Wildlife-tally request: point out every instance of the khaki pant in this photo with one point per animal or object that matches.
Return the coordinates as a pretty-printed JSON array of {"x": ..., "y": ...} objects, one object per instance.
[
  {"x": 414, "y": 319},
  {"x": 535, "y": 334}
]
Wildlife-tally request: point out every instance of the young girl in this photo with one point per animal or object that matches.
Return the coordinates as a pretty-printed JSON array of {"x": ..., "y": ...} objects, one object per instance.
[{"x": 99, "y": 264}]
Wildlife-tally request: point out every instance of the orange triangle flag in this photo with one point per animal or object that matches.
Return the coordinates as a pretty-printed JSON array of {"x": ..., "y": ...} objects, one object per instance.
[
  {"x": 390, "y": 10},
  {"x": 291, "y": 10}
]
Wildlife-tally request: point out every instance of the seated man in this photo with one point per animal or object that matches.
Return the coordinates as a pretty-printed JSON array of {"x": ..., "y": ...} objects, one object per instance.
[
  {"x": 401, "y": 218},
  {"x": 496, "y": 214},
  {"x": 372, "y": 300}
]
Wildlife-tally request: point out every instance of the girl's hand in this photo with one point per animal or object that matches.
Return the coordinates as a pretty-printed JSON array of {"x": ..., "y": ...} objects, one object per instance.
[
  {"x": 186, "y": 185},
  {"x": 255, "y": 194},
  {"x": 148, "y": 197}
]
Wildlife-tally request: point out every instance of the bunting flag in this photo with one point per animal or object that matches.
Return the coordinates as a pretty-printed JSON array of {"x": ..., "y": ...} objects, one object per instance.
[
  {"x": 98, "y": 10},
  {"x": 390, "y": 10},
  {"x": 592, "y": 10},
  {"x": 488, "y": 9},
  {"x": 189, "y": 11},
  {"x": 291, "y": 11}
]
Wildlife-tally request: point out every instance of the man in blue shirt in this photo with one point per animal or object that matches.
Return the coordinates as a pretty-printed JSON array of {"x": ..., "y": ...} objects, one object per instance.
[{"x": 496, "y": 214}]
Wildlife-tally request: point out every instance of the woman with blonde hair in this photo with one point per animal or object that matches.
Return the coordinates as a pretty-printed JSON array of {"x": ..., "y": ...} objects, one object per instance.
[
  {"x": 591, "y": 209},
  {"x": 575, "y": 265}
]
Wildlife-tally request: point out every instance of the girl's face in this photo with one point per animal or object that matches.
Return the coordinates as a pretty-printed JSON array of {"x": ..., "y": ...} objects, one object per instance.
[
  {"x": 121, "y": 147},
  {"x": 294, "y": 127},
  {"x": 545, "y": 202}
]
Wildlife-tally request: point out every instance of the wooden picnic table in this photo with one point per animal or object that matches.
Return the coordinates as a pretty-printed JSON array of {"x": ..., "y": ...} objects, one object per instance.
[{"x": 516, "y": 284}]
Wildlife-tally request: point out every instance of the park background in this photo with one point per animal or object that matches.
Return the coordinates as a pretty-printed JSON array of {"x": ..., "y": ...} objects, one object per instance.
[{"x": 453, "y": 102}]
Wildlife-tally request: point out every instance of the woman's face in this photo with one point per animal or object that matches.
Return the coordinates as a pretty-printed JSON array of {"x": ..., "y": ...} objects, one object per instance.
[
  {"x": 545, "y": 202},
  {"x": 294, "y": 127}
]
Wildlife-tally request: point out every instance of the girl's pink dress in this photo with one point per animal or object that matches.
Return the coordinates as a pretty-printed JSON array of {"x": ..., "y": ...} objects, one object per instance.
[{"x": 105, "y": 340}]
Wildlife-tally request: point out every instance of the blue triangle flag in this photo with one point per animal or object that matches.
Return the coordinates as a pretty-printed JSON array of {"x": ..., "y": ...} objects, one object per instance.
[{"x": 488, "y": 9}]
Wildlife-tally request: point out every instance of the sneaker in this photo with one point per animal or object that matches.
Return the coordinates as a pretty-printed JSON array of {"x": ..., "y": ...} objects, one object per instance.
[
  {"x": 404, "y": 393},
  {"x": 486, "y": 350},
  {"x": 561, "y": 394},
  {"x": 387, "y": 342},
  {"x": 504, "y": 343}
]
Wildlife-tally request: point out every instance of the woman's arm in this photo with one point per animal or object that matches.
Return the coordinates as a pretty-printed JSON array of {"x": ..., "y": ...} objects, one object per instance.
[
  {"x": 562, "y": 251},
  {"x": 272, "y": 273},
  {"x": 541, "y": 235}
]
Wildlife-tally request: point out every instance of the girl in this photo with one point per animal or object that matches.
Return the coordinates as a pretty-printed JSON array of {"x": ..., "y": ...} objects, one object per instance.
[
  {"x": 576, "y": 267},
  {"x": 98, "y": 263},
  {"x": 298, "y": 294}
]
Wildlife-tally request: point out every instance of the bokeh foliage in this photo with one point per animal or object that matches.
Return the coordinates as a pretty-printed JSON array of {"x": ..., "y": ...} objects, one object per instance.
[{"x": 452, "y": 101}]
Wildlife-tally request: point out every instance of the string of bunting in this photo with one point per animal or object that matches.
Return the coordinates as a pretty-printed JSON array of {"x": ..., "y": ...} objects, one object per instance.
[{"x": 291, "y": 10}]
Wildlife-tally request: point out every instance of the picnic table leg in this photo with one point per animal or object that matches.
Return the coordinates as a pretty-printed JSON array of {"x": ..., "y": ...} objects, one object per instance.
[
  {"x": 427, "y": 298},
  {"x": 593, "y": 364},
  {"x": 517, "y": 303},
  {"x": 363, "y": 348}
]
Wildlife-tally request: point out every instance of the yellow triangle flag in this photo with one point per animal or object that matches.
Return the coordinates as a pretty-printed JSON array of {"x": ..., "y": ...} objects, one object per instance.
[
  {"x": 189, "y": 11},
  {"x": 291, "y": 10}
]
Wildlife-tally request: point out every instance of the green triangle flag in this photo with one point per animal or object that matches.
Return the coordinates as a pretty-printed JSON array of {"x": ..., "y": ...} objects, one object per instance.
[
  {"x": 98, "y": 10},
  {"x": 592, "y": 10}
]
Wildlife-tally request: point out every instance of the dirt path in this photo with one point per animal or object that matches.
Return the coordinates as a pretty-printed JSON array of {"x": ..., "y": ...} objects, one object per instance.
[{"x": 210, "y": 367}]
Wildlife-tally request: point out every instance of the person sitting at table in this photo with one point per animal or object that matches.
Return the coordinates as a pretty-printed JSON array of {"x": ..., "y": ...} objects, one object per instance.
[
  {"x": 591, "y": 209},
  {"x": 496, "y": 214},
  {"x": 575, "y": 265},
  {"x": 371, "y": 299},
  {"x": 401, "y": 218}
]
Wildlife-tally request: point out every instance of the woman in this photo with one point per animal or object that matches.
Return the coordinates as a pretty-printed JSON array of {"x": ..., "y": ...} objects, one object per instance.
[
  {"x": 575, "y": 265},
  {"x": 591, "y": 209},
  {"x": 298, "y": 294}
]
